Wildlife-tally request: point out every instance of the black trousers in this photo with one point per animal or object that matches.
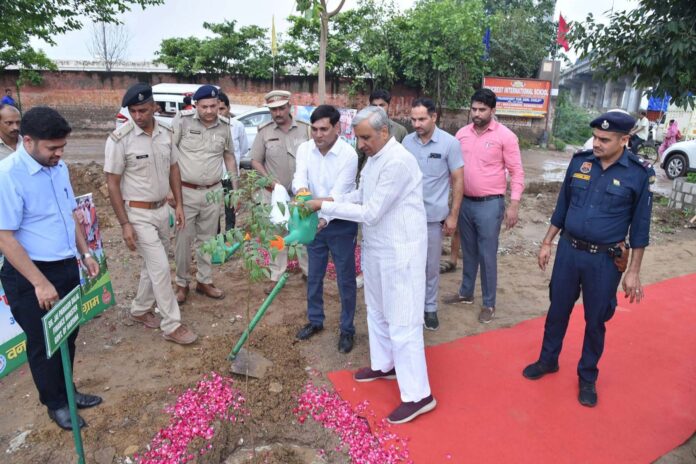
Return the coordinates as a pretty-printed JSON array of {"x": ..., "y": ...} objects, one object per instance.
[{"x": 47, "y": 373}]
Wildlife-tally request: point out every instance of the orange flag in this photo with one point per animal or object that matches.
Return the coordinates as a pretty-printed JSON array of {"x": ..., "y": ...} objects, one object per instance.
[{"x": 563, "y": 29}]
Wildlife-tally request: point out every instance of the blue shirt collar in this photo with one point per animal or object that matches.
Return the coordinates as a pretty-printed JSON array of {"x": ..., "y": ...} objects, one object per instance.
[
  {"x": 435, "y": 138},
  {"x": 30, "y": 163},
  {"x": 623, "y": 159}
]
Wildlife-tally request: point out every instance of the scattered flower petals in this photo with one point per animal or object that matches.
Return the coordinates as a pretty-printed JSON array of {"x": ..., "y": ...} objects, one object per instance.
[
  {"x": 363, "y": 445},
  {"x": 212, "y": 399}
]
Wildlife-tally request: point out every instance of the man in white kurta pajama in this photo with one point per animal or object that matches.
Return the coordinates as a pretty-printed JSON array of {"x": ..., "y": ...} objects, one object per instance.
[{"x": 389, "y": 204}]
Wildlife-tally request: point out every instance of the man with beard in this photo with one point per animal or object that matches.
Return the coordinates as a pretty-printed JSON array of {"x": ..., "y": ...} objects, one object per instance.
[
  {"x": 9, "y": 130},
  {"x": 40, "y": 240},
  {"x": 440, "y": 159},
  {"x": 490, "y": 151}
]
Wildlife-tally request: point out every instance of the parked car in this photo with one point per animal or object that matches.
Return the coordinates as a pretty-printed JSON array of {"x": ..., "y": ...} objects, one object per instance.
[
  {"x": 679, "y": 159},
  {"x": 252, "y": 119}
]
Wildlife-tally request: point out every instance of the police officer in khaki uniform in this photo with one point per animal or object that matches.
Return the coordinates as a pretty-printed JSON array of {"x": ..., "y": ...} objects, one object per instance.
[
  {"x": 204, "y": 141},
  {"x": 141, "y": 167},
  {"x": 273, "y": 154}
]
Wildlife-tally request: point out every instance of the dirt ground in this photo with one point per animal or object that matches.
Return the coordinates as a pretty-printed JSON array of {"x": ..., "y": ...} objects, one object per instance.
[{"x": 137, "y": 372}]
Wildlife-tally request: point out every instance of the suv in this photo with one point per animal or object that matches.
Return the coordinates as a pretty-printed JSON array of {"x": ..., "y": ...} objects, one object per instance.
[{"x": 679, "y": 159}]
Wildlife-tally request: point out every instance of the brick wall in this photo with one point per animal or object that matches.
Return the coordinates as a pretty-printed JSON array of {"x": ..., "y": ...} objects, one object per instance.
[
  {"x": 90, "y": 100},
  {"x": 683, "y": 194}
]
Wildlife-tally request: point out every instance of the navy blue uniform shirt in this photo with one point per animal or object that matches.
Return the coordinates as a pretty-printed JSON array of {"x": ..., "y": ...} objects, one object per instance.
[{"x": 599, "y": 206}]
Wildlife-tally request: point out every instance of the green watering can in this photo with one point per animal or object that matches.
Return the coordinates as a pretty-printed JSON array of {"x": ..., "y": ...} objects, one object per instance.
[{"x": 301, "y": 229}]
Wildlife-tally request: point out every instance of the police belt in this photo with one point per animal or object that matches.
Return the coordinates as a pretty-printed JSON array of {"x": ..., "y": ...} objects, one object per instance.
[
  {"x": 146, "y": 204},
  {"x": 196, "y": 186},
  {"x": 587, "y": 246}
]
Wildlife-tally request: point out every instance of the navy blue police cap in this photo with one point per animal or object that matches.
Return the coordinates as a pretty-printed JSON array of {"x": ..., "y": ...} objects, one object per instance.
[
  {"x": 137, "y": 94},
  {"x": 614, "y": 121},
  {"x": 206, "y": 91}
]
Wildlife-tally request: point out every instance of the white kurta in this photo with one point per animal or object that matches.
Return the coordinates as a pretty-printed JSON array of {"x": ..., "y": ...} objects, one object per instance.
[{"x": 389, "y": 204}]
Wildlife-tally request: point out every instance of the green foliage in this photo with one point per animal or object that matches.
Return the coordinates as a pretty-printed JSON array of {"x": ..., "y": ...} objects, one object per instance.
[
  {"x": 522, "y": 35},
  {"x": 238, "y": 51},
  {"x": 572, "y": 122},
  {"x": 440, "y": 48},
  {"x": 691, "y": 177},
  {"x": 257, "y": 231},
  {"x": 44, "y": 19},
  {"x": 656, "y": 40},
  {"x": 559, "y": 144}
]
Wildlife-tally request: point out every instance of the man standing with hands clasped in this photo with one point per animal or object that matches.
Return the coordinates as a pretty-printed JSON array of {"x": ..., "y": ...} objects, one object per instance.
[
  {"x": 605, "y": 196},
  {"x": 40, "y": 237},
  {"x": 440, "y": 159},
  {"x": 141, "y": 168},
  {"x": 490, "y": 151}
]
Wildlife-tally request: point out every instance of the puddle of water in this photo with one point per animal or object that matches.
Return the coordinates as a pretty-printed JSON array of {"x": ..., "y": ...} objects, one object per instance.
[{"x": 554, "y": 170}]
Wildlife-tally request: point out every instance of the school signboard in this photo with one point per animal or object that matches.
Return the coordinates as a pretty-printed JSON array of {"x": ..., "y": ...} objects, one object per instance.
[
  {"x": 96, "y": 293},
  {"x": 528, "y": 98}
]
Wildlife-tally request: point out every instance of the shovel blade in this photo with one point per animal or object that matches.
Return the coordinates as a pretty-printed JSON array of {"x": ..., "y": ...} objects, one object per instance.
[{"x": 250, "y": 363}]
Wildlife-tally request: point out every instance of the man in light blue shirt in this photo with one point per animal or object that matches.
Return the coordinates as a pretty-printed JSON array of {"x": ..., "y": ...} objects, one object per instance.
[
  {"x": 40, "y": 241},
  {"x": 440, "y": 159}
]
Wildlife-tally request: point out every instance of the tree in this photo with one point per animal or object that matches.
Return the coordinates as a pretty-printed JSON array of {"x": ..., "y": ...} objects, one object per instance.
[
  {"x": 319, "y": 8},
  {"x": 44, "y": 19},
  {"x": 440, "y": 48},
  {"x": 237, "y": 51},
  {"x": 656, "y": 41},
  {"x": 109, "y": 43},
  {"x": 522, "y": 35}
]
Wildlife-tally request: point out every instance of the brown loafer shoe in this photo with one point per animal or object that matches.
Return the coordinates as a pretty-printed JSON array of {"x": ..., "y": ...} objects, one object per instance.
[
  {"x": 149, "y": 320},
  {"x": 182, "y": 335},
  {"x": 406, "y": 412},
  {"x": 210, "y": 290},
  {"x": 181, "y": 294}
]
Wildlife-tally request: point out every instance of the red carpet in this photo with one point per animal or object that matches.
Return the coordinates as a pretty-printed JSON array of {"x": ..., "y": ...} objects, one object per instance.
[{"x": 488, "y": 413}]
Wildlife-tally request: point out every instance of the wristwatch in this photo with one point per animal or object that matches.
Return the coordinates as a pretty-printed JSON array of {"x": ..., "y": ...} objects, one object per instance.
[{"x": 86, "y": 255}]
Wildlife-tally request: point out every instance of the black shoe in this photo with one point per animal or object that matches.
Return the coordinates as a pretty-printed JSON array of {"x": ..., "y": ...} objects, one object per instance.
[
  {"x": 588, "y": 394},
  {"x": 308, "y": 331},
  {"x": 84, "y": 400},
  {"x": 538, "y": 370},
  {"x": 62, "y": 418},
  {"x": 345, "y": 343},
  {"x": 431, "y": 322}
]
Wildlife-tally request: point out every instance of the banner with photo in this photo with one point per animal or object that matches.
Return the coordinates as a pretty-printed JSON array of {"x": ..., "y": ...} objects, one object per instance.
[
  {"x": 96, "y": 292},
  {"x": 303, "y": 113}
]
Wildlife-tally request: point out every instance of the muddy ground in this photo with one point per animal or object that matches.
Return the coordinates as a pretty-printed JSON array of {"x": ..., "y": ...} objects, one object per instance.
[{"x": 137, "y": 372}]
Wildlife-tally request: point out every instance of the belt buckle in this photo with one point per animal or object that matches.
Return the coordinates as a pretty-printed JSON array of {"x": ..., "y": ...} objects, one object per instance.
[
  {"x": 592, "y": 248},
  {"x": 201, "y": 187}
]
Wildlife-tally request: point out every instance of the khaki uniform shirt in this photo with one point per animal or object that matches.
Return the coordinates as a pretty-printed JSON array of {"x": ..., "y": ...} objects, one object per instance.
[
  {"x": 141, "y": 160},
  {"x": 6, "y": 150},
  {"x": 201, "y": 149},
  {"x": 276, "y": 150}
]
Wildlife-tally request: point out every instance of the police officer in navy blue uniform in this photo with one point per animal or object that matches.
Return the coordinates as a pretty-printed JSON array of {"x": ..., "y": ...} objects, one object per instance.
[{"x": 605, "y": 199}]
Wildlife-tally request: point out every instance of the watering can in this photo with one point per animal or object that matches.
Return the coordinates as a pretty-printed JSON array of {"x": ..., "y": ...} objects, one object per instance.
[
  {"x": 301, "y": 229},
  {"x": 223, "y": 251}
]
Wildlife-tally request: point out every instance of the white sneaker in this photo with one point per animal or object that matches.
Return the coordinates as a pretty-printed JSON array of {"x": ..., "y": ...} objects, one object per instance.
[{"x": 359, "y": 281}]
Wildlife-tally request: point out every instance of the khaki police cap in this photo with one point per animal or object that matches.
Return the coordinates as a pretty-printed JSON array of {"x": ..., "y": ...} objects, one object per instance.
[{"x": 276, "y": 98}]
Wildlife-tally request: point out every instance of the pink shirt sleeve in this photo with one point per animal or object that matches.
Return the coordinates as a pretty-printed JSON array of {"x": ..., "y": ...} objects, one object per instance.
[{"x": 513, "y": 163}]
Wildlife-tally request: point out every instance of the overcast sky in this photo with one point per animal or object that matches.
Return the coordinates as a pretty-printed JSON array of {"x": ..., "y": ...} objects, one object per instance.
[{"x": 183, "y": 18}]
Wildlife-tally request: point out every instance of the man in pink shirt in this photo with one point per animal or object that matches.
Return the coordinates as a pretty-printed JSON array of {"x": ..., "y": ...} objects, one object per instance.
[{"x": 490, "y": 151}]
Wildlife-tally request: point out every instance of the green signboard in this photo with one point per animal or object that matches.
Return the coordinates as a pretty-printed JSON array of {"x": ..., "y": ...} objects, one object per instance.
[{"x": 62, "y": 320}]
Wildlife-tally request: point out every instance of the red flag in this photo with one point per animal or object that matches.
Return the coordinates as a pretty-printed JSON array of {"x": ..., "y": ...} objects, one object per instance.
[{"x": 563, "y": 29}]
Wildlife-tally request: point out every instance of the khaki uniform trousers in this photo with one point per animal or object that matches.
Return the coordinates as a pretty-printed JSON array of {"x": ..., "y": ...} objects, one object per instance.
[
  {"x": 280, "y": 263},
  {"x": 202, "y": 220},
  {"x": 152, "y": 230}
]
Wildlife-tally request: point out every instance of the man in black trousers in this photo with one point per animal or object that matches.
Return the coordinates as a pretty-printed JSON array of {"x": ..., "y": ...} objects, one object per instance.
[{"x": 40, "y": 239}]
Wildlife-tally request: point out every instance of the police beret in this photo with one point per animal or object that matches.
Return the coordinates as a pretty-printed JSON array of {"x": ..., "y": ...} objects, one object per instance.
[
  {"x": 206, "y": 91},
  {"x": 276, "y": 98},
  {"x": 137, "y": 94},
  {"x": 614, "y": 121}
]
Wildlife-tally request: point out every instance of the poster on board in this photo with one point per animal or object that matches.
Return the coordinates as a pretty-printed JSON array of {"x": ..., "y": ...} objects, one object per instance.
[{"x": 527, "y": 98}]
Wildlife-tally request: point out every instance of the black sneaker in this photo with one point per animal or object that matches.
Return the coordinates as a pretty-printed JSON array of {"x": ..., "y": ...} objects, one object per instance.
[
  {"x": 308, "y": 331},
  {"x": 588, "y": 394},
  {"x": 431, "y": 322},
  {"x": 538, "y": 370},
  {"x": 406, "y": 412},
  {"x": 366, "y": 374}
]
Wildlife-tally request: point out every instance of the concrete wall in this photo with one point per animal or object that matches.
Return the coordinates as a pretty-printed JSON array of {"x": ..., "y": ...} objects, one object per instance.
[{"x": 683, "y": 194}]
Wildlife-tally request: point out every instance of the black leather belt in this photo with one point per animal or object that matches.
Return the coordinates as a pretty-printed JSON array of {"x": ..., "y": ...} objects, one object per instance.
[
  {"x": 486, "y": 198},
  {"x": 586, "y": 246}
]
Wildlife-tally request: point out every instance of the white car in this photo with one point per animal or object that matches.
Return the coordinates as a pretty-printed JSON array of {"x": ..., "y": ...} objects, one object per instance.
[
  {"x": 252, "y": 119},
  {"x": 679, "y": 159}
]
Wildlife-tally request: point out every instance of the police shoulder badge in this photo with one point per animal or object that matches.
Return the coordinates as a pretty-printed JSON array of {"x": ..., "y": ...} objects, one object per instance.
[
  {"x": 586, "y": 167},
  {"x": 651, "y": 180},
  {"x": 605, "y": 124}
]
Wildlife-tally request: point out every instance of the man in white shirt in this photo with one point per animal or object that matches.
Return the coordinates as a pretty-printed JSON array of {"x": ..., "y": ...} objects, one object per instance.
[
  {"x": 640, "y": 132},
  {"x": 327, "y": 165},
  {"x": 241, "y": 146},
  {"x": 389, "y": 204}
]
